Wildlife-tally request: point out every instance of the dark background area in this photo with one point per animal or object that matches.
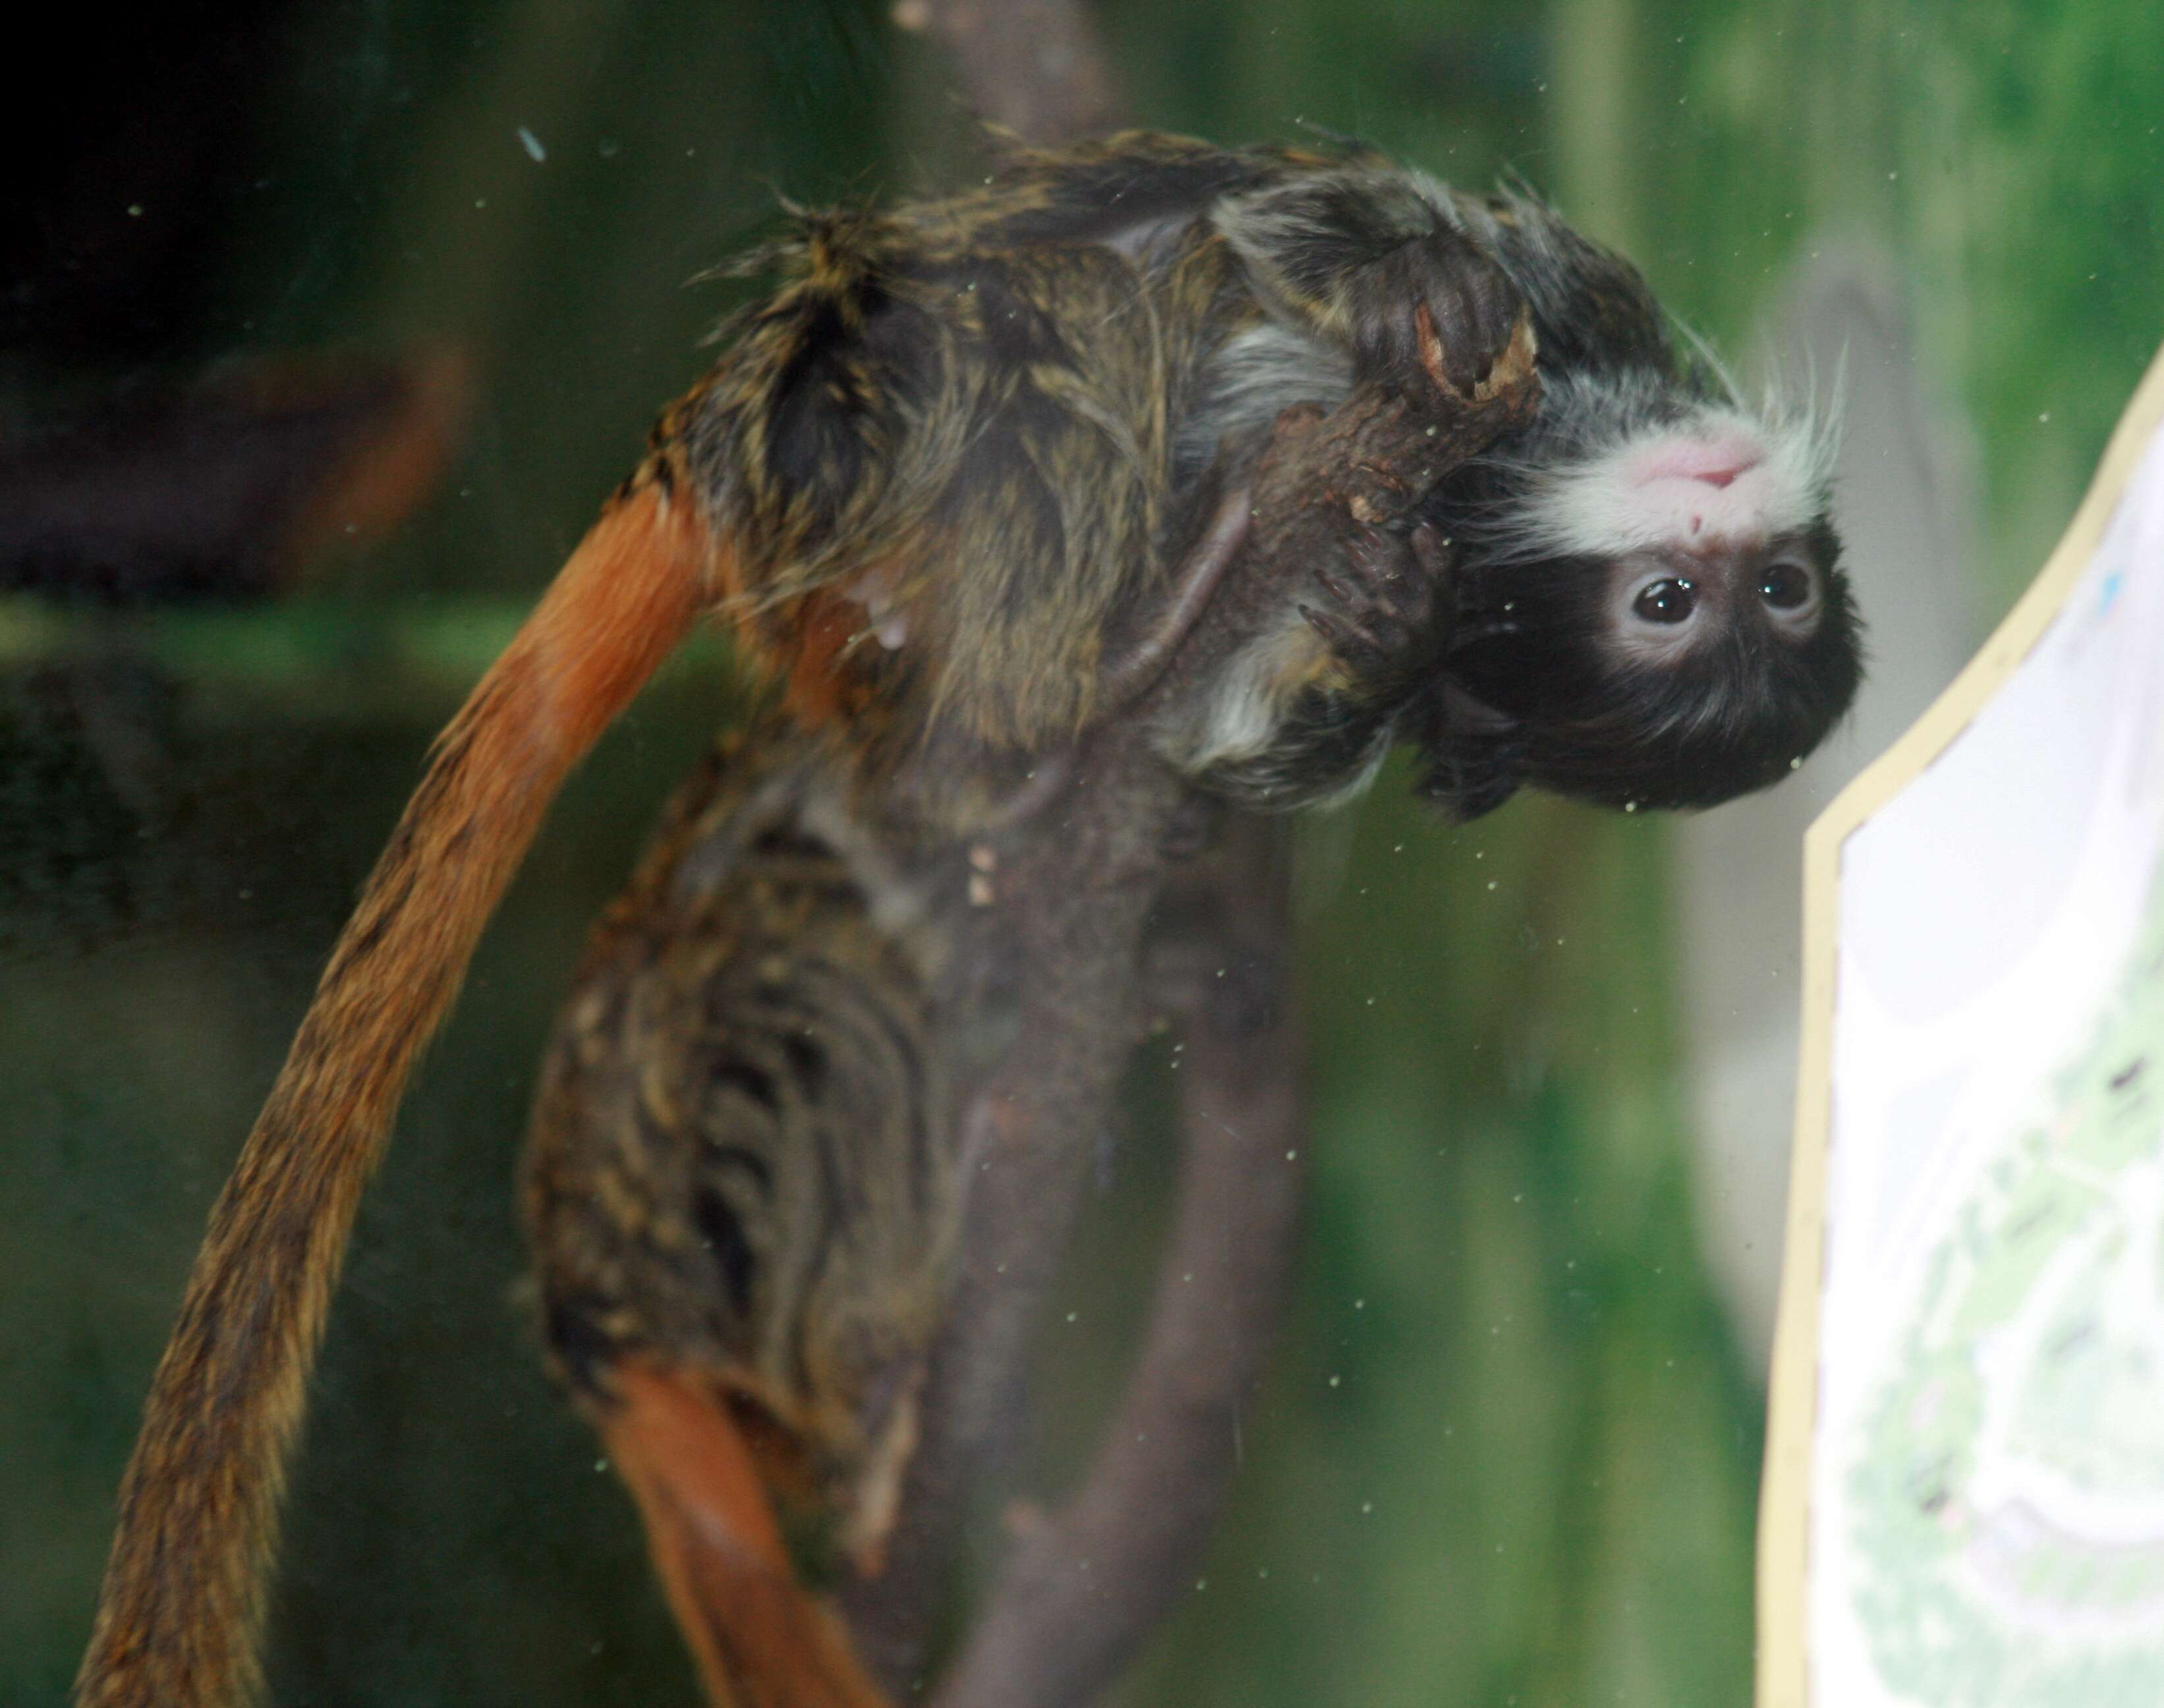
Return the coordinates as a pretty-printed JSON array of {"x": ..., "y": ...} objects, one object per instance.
[{"x": 1509, "y": 1450}]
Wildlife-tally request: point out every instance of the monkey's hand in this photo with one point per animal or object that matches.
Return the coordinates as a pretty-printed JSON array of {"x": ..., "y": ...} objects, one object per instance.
[
  {"x": 1383, "y": 620},
  {"x": 1436, "y": 311}
]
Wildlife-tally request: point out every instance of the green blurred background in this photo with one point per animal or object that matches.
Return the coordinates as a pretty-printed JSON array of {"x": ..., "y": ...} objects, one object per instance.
[{"x": 1508, "y": 1454}]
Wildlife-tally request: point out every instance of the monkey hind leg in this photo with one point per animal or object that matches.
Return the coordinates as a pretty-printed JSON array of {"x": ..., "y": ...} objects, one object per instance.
[
  {"x": 741, "y": 1205},
  {"x": 759, "y": 1639}
]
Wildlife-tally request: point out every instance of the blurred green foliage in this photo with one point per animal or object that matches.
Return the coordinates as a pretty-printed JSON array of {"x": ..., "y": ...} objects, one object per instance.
[{"x": 1508, "y": 1452}]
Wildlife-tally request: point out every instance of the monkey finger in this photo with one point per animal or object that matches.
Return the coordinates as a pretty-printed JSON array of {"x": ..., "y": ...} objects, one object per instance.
[
  {"x": 1515, "y": 366},
  {"x": 1481, "y": 343},
  {"x": 1492, "y": 301},
  {"x": 1403, "y": 581},
  {"x": 1475, "y": 307},
  {"x": 1472, "y": 305},
  {"x": 1377, "y": 558},
  {"x": 1322, "y": 624},
  {"x": 1351, "y": 605},
  {"x": 1494, "y": 310},
  {"x": 1445, "y": 341},
  {"x": 1353, "y": 648},
  {"x": 1340, "y": 637},
  {"x": 1334, "y": 586},
  {"x": 1431, "y": 551},
  {"x": 1402, "y": 348}
]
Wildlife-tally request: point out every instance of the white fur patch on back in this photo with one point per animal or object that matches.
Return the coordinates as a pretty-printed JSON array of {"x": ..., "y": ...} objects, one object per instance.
[{"x": 1251, "y": 381}]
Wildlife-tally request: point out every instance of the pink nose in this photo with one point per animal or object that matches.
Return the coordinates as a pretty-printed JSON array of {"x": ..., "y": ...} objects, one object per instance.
[{"x": 1714, "y": 462}]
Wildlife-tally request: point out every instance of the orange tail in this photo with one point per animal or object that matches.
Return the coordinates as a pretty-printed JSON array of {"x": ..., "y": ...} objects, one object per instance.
[
  {"x": 760, "y": 1641},
  {"x": 178, "y": 1617}
]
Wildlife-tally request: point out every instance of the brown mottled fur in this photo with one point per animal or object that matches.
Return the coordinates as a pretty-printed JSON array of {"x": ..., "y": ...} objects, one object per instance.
[{"x": 743, "y": 1197}]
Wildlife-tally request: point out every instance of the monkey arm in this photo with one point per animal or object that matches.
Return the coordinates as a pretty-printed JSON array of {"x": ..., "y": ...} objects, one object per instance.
[
  {"x": 1345, "y": 684},
  {"x": 1328, "y": 630},
  {"x": 1375, "y": 299}
]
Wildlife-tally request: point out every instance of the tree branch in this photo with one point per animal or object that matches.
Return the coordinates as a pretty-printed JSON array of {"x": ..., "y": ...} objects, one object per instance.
[
  {"x": 1035, "y": 68},
  {"x": 1081, "y": 1591}
]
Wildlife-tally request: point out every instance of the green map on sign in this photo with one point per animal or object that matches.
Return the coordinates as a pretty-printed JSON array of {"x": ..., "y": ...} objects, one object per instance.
[{"x": 2007, "y": 1488}]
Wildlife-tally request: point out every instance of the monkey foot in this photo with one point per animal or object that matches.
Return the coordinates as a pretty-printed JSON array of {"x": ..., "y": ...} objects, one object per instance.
[{"x": 1385, "y": 603}]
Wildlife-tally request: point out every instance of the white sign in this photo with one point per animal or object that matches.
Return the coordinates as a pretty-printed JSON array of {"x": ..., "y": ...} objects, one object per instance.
[{"x": 1964, "y": 1505}]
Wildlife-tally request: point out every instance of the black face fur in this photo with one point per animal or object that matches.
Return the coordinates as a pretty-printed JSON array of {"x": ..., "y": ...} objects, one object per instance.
[{"x": 1640, "y": 683}]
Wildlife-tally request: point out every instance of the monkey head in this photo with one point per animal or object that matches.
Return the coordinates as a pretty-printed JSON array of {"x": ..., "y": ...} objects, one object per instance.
[{"x": 1648, "y": 608}]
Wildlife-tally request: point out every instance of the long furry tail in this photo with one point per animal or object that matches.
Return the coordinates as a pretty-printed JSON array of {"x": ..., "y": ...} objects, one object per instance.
[{"x": 179, "y": 1616}]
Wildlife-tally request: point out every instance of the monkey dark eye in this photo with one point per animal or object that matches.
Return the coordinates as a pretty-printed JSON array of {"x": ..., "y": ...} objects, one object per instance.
[
  {"x": 1785, "y": 586},
  {"x": 1670, "y": 600}
]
